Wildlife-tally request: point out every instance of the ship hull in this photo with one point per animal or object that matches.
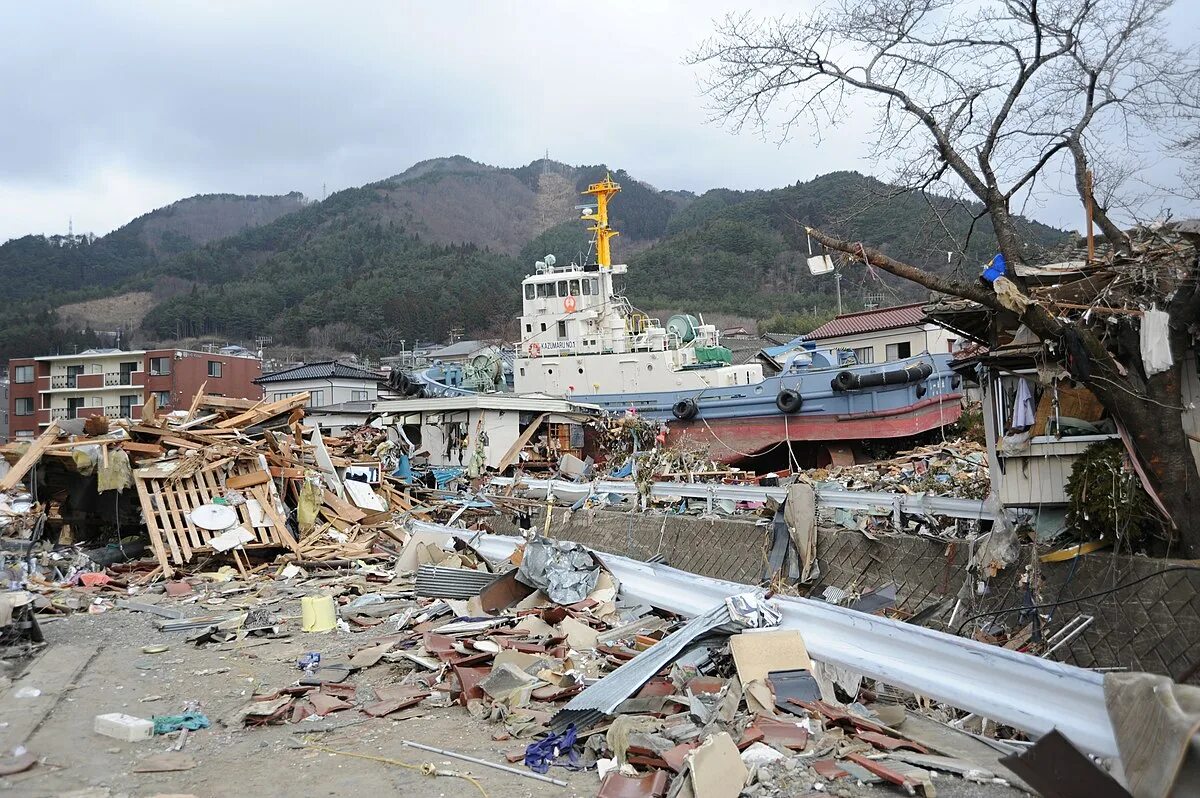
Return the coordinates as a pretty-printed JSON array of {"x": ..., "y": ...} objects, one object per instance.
[
  {"x": 732, "y": 440},
  {"x": 734, "y": 422}
]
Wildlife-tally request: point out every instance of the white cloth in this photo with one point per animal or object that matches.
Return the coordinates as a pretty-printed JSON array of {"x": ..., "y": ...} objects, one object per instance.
[
  {"x": 1023, "y": 407},
  {"x": 1155, "y": 342}
]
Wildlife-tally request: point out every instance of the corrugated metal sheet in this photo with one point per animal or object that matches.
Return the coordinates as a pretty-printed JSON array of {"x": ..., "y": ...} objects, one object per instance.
[
  {"x": 603, "y": 697},
  {"x": 452, "y": 583},
  {"x": 870, "y": 321}
]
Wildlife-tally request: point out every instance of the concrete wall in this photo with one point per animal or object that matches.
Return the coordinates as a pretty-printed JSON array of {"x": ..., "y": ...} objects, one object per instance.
[{"x": 1153, "y": 626}]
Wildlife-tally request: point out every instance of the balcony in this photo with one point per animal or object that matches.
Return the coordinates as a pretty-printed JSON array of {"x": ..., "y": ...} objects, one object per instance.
[
  {"x": 63, "y": 381},
  {"x": 111, "y": 379},
  {"x": 60, "y": 414}
]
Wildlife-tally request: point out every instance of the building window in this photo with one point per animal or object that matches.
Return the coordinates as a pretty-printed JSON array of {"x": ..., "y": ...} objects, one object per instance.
[
  {"x": 359, "y": 396},
  {"x": 950, "y": 342},
  {"x": 284, "y": 395},
  {"x": 574, "y": 288},
  {"x": 23, "y": 374},
  {"x": 96, "y": 401},
  {"x": 316, "y": 399},
  {"x": 544, "y": 290},
  {"x": 127, "y": 403},
  {"x": 162, "y": 398},
  {"x": 24, "y": 406},
  {"x": 73, "y": 374},
  {"x": 529, "y": 291},
  {"x": 214, "y": 368},
  {"x": 562, "y": 329},
  {"x": 899, "y": 351},
  {"x": 865, "y": 355},
  {"x": 74, "y": 406},
  {"x": 24, "y": 433},
  {"x": 562, "y": 288},
  {"x": 160, "y": 366},
  {"x": 587, "y": 287}
]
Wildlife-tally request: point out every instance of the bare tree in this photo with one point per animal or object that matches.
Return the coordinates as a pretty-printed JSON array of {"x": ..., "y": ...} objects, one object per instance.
[{"x": 992, "y": 100}]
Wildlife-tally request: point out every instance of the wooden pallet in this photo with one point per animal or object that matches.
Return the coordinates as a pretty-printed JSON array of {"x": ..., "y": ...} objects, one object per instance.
[{"x": 167, "y": 509}]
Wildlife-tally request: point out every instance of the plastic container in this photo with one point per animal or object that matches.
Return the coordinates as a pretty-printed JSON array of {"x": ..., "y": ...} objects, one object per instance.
[
  {"x": 124, "y": 727},
  {"x": 317, "y": 613}
]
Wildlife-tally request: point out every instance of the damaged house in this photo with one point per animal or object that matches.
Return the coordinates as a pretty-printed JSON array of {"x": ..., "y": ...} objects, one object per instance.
[{"x": 1040, "y": 412}]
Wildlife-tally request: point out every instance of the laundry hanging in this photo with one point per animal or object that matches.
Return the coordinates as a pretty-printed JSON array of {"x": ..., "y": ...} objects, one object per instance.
[
  {"x": 1023, "y": 412},
  {"x": 1155, "y": 342}
]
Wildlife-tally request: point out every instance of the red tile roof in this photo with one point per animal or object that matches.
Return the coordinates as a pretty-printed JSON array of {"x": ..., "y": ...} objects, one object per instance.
[{"x": 866, "y": 321}]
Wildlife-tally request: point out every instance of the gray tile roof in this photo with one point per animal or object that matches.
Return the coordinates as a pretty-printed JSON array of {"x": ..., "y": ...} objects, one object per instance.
[{"x": 321, "y": 370}]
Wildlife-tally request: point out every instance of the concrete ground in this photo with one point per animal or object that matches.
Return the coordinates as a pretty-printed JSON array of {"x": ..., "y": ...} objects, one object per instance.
[{"x": 115, "y": 675}]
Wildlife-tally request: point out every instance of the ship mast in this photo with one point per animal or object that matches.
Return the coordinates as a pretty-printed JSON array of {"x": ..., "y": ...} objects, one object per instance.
[{"x": 602, "y": 191}]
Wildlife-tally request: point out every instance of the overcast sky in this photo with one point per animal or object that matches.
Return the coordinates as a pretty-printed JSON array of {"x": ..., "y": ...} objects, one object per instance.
[{"x": 110, "y": 110}]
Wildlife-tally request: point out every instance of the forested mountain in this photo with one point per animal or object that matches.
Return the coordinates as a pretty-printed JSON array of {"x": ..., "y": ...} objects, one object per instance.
[{"x": 445, "y": 243}]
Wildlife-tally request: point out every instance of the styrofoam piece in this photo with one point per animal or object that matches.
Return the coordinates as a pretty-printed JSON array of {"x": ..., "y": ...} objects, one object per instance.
[{"x": 124, "y": 727}]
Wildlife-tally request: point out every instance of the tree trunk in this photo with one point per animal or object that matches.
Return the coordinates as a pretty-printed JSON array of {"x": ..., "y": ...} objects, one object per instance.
[{"x": 1149, "y": 409}]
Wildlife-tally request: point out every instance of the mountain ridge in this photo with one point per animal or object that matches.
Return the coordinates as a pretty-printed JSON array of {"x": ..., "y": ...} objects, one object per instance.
[{"x": 445, "y": 243}]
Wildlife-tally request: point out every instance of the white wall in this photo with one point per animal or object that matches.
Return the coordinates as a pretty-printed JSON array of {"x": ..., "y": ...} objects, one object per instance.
[
  {"x": 324, "y": 392},
  {"x": 925, "y": 338}
]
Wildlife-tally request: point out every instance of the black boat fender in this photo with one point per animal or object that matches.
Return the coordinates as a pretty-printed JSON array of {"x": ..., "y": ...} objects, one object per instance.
[
  {"x": 685, "y": 409},
  {"x": 848, "y": 380},
  {"x": 788, "y": 401}
]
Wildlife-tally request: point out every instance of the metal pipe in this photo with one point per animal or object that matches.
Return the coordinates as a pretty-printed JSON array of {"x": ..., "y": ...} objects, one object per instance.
[{"x": 485, "y": 763}]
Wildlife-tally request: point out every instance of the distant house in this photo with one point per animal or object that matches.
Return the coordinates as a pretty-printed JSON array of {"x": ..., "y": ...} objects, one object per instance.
[
  {"x": 460, "y": 352},
  {"x": 336, "y": 419},
  {"x": 328, "y": 382},
  {"x": 884, "y": 334}
]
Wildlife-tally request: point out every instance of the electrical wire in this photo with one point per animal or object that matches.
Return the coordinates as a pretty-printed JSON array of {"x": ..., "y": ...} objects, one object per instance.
[
  {"x": 1077, "y": 599},
  {"x": 426, "y": 769}
]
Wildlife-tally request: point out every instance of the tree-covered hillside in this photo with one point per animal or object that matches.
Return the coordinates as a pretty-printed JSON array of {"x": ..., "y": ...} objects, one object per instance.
[{"x": 445, "y": 244}]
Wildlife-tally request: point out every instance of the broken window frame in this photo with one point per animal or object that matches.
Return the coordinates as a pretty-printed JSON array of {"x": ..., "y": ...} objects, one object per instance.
[{"x": 1003, "y": 388}]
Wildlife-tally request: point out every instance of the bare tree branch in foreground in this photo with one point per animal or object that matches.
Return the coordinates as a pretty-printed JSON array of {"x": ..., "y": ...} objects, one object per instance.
[{"x": 990, "y": 99}]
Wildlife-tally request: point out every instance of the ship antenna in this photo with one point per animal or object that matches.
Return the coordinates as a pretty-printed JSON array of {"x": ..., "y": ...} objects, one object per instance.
[{"x": 602, "y": 191}]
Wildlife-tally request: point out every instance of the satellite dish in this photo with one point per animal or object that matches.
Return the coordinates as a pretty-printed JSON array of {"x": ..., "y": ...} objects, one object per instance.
[
  {"x": 551, "y": 260},
  {"x": 214, "y": 517},
  {"x": 541, "y": 264}
]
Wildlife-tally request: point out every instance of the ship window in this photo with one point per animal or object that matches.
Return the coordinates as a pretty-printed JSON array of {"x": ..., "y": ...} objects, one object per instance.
[
  {"x": 595, "y": 285},
  {"x": 574, "y": 288},
  {"x": 543, "y": 290},
  {"x": 562, "y": 329},
  {"x": 522, "y": 371},
  {"x": 562, "y": 287},
  {"x": 649, "y": 367},
  {"x": 587, "y": 287},
  {"x": 529, "y": 291},
  {"x": 543, "y": 327},
  {"x": 528, "y": 328},
  {"x": 580, "y": 369}
]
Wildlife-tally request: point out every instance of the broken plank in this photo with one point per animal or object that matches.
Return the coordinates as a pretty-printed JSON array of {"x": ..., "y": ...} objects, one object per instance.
[
  {"x": 520, "y": 443},
  {"x": 266, "y": 411},
  {"x": 28, "y": 460},
  {"x": 239, "y": 481},
  {"x": 344, "y": 509}
]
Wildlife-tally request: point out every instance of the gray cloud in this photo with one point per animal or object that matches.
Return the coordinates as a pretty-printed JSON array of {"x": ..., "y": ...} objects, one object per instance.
[{"x": 111, "y": 110}]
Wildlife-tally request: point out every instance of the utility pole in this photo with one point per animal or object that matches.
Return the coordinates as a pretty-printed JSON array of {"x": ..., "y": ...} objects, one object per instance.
[{"x": 837, "y": 282}]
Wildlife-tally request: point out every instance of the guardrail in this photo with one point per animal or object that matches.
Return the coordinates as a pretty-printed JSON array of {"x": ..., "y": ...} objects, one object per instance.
[
  {"x": 895, "y": 503},
  {"x": 1033, "y": 694}
]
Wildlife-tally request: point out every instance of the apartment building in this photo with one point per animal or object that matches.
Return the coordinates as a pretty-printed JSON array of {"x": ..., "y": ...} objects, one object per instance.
[{"x": 117, "y": 383}]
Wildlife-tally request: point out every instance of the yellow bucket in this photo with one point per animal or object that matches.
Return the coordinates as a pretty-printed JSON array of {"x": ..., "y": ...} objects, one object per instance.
[{"x": 317, "y": 613}]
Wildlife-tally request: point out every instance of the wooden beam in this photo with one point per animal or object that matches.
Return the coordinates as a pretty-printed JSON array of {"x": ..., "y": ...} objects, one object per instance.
[
  {"x": 522, "y": 440},
  {"x": 239, "y": 481},
  {"x": 30, "y": 458},
  {"x": 266, "y": 411}
]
